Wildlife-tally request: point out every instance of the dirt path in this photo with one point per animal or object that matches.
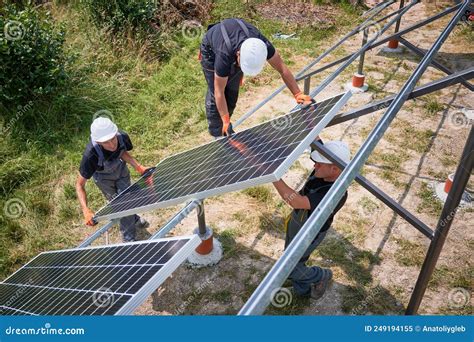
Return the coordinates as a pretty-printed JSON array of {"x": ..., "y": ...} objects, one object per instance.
[{"x": 374, "y": 254}]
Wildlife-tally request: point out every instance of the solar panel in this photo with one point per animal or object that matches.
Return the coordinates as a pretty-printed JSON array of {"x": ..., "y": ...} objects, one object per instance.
[
  {"x": 105, "y": 280},
  {"x": 258, "y": 155}
]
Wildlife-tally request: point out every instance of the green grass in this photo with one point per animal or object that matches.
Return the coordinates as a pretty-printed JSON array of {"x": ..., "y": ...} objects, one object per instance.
[
  {"x": 261, "y": 193},
  {"x": 405, "y": 135},
  {"x": 368, "y": 205},
  {"x": 409, "y": 253},
  {"x": 391, "y": 165},
  {"x": 159, "y": 103},
  {"x": 432, "y": 106},
  {"x": 354, "y": 262},
  {"x": 359, "y": 300},
  {"x": 453, "y": 276},
  {"x": 429, "y": 203}
]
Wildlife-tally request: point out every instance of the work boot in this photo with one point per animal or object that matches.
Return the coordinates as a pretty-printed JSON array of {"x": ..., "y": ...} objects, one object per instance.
[{"x": 318, "y": 289}]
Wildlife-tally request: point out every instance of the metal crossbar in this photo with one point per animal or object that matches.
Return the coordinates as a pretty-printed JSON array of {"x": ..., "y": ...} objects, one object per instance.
[{"x": 261, "y": 298}]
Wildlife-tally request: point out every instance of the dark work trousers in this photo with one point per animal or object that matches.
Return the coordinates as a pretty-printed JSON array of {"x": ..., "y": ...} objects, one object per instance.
[
  {"x": 231, "y": 95},
  {"x": 116, "y": 180},
  {"x": 303, "y": 276}
]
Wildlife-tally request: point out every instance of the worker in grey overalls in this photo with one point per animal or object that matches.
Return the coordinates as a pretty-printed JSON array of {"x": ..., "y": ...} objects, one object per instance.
[
  {"x": 104, "y": 159},
  {"x": 229, "y": 50},
  {"x": 312, "y": 281}
]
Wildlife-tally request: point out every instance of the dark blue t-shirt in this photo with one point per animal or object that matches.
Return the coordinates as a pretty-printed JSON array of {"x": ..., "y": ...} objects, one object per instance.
[
  {"x": 90, "y": 158},
  {"x": 215, "y": 53}
]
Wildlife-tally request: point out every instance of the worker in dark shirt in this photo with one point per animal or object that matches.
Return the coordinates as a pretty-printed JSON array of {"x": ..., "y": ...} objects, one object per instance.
[
  {"x": 104, "y": 160},
  {"x": 229, "y": 50},
  {"x": 312, "y": 281}
]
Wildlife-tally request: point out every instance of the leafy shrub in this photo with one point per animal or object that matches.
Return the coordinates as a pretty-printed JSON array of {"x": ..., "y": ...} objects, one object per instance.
[
  {"x": 146, "y": 25},
  {"x": 32, "y": 54},
  {"x": 121, "y": 15}
]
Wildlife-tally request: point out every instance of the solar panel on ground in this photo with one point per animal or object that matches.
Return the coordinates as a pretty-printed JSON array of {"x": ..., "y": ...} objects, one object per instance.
[
  {"x": 105, "y": 280},
  {"x": 258, "y": 155}
]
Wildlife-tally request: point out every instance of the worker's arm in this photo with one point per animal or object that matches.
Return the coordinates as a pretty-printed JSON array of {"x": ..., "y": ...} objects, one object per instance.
[
  {"x": 221, "y": 103},
  {"x": 277, "y": 63},
  {"x": 290, "y": 196},
  {"x": 82, "y": 197},
  {"x": 126, "y": 157}
]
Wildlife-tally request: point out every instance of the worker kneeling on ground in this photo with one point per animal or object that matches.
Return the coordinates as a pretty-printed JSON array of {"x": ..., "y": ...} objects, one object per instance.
[
  {"x": 104, "y": 159},
  {"x": 229, "y": 50},
  {"x": 312, "y": 281}
]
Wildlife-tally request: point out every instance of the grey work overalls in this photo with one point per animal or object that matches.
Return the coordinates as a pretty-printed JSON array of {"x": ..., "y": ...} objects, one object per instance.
[
  {"x": 112, "y": 180},
  {"x": 231, "y": 91},
  {"x": 303, "y": 276}
]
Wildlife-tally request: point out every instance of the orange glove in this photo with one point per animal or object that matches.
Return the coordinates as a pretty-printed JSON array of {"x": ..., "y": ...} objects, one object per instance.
[
  {"x": 303, "y": 99},
  {"x": 141, "y": 170},
  {"x": 226, "y": 125},
  {"x": 89, "y": 217}
]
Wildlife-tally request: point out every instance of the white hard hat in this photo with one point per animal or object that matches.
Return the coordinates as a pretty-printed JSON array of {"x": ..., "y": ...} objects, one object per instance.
[
  {"x": 103, "y": 129},
  {"x": 339, "y": 148},
  {"x": 253, "y": 55}
]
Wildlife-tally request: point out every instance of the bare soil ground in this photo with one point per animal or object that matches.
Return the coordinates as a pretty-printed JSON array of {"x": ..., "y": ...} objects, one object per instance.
[
  {"x": 374, "y": 254},
  {"x": 298, "y": 13}
]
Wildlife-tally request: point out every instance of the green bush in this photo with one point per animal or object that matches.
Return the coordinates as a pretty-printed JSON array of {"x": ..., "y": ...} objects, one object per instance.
[
  {"x": 121, "y": 15},
  {"x": 32, "y": 55},
  {"x": 154, "y": 28}
]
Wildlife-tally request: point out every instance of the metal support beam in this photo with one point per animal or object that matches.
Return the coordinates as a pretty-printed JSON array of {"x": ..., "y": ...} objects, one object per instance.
[
  {"x": 461, "y": 177},
  {"x": 201, "y": 219},
  {"x": 382, "y": 196},
  {"x": 313, "y": 63},
  {"x": 371, "y": 10},
  {"x": 428, "y": 88},
  {"x": 180, "y": 216},
  {"x": 360, "y": 69},
  {"x": 98, "y": 233},
  {"x": 324, "y": 83},
  {"x": 286, "y": 263},
  {"x": 307, "y": 85},
  {"x": 437, "y": 65},
  {"x": 384, "y": 40},
  {"x": 397, "y": 25}
]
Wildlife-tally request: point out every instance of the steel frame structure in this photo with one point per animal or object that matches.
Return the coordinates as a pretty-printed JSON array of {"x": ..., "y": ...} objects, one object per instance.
[{"x": 261, "y": 297}]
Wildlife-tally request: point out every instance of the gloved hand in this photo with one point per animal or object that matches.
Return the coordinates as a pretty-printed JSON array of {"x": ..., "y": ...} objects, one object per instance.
[
  {"x": 141, "y": 169},
  {"x": 89, "y": 217},
  {"x": 304, "y": 100},
  {"x": 226, "y": 126}
]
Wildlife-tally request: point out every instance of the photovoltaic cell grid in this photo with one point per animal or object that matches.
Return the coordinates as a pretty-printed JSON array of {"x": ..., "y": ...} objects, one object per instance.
[
  {"x": 104, "y": 280},
  {"x": 258, "y": 155}
]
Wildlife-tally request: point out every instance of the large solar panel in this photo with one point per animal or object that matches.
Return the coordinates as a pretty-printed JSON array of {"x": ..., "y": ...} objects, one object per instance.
[
  {"x": 105, "y": 280},
  {"x": 258, "y": 155}
]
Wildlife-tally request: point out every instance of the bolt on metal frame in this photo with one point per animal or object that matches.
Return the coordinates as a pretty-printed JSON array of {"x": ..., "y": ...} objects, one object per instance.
[{"x": 261, "y": 297}]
